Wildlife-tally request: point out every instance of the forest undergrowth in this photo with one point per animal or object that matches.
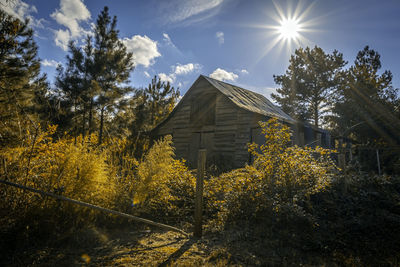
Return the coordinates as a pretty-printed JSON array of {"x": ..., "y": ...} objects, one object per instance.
[{"x": 292, "y": 205}]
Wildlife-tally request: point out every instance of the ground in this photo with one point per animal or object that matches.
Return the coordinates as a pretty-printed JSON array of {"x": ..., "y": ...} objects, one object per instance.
[
  {"x": 125, "y": 247},
  {"x": 131, "y": 246},
  {"x": 152, "y": 247}
]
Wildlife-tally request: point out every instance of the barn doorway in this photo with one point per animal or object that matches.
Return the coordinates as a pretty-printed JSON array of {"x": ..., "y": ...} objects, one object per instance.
[{"x": 200, "y": 140}]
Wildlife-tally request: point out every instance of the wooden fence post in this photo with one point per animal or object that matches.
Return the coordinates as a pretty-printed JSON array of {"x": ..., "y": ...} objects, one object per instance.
[
  {"x": 198, "y": 213},
  {"x": 378, "y": 161},
  {"x": 342, "y": 155}
]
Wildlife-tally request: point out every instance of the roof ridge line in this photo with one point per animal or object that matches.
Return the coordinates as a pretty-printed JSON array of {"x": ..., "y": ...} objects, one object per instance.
[{"x": 208, "y": 77}]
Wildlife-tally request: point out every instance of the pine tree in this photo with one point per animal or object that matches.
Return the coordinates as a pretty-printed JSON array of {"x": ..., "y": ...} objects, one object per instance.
[
  {"x": 22, "y": 87},
  {"x": 149, "y": 107},
  {"x": 366, "y": 104},
  {"x": 74, "y": 87},
  {"x": 308, "y": 84},
  {"x": 112, "y": 65},
  {"x": 95, "y": 77},
  {"x": 162, "y": 98}
]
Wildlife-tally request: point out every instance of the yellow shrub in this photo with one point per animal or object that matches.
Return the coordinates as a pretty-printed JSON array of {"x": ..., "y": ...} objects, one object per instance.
[
  {"x": 122, "y": 166},
  {"x": 290, "y": 171},
  {"x": 280, "y": 175},
  {"x": 76, "y": 170},
  {"x": 162, "y": 182}
]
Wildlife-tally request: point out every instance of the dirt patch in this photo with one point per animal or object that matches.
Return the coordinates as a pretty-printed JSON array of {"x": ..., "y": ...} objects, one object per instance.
[{"x": 124, "y": 247}]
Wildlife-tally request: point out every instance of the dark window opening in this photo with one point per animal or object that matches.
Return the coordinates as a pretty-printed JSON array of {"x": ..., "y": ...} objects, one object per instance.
[{"x": 203, "y": 110}]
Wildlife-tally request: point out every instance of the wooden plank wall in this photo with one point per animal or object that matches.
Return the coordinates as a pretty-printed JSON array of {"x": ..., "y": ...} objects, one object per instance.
[{"x": 225, "y": 129}]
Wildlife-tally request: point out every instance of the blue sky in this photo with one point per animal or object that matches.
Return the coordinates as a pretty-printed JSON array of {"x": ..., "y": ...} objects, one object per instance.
[{"x": 232, "y": 40}]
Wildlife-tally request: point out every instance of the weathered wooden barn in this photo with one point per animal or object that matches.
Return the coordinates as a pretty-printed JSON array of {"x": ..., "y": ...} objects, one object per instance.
[{"x": 223, "y": 119}]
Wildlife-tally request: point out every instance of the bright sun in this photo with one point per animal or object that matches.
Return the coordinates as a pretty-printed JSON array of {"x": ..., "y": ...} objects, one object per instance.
[
  {"x": 290, "y": 25},
  {"x": 289, "y": 29}
]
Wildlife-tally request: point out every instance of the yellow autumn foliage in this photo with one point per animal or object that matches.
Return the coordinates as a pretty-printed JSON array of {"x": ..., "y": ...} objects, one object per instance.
[
  {"x": 106, "y": 175},
  {"x": 159, "y": 185},
  {"x": 73, "y": 168},
  {"x": 279, "y": 175},
  {"x": 163, "y": 183},
  {"x": 290, "y": 171}
]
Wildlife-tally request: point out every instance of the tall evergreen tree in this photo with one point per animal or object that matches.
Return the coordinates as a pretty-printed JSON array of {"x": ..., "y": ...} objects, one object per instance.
[
  {"x": 150, "y": 106},
  {"x": 74, "y": 87},
  {"x": 112, "y": 65},
  {"x": 95, "y": 76},
  {"x": 308, "y": 84},
  {"x": 162, "y": 98},
  {"x": 22, "y": 87},
  {"x": 366, "y": 104}
]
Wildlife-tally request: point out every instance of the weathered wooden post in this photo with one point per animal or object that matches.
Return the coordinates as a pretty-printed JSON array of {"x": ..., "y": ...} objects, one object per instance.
[
  {"x": 198, "y": 212},
  {"x": 378, "y": 162},
  {"x": 342, "y": 155},
  {"x": 302, "y": 140},
  {"x": 342, "y": 163},
  {"x": 319, "y": 139}
]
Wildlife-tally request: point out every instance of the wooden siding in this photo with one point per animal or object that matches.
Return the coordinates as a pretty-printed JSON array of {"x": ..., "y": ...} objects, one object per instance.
[{"x": 219, "y": 137}]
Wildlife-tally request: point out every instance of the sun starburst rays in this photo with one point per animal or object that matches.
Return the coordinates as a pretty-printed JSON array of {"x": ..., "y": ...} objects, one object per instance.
[{"x": 289, "y": 27}]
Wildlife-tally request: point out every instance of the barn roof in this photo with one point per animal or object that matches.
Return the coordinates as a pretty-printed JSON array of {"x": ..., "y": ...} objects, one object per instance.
[{"x": 249, "y": 100}]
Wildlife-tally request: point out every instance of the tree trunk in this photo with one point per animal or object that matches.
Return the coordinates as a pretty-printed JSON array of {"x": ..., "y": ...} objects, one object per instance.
[
  {"x": 84, "y": 122},
  {"x": 316, "y": 122},
  {"x": 75, "y": 122},
  {"x": 90, "y": 116},
  {"x": 316, "y": 116},
  {"x": 101, "y": 125}
]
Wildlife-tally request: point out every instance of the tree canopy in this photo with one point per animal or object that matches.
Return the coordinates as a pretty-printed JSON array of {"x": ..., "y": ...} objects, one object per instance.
[
  {"x": 22, "y": 86},
  {"x": 308, "y": 83},
  {"x": 366, "y": 103},
  {"x": 96, "y": 76}
]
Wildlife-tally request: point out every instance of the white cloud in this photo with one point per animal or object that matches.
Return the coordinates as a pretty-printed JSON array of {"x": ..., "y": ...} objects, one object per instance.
[
  {"x": 62, "y": 38},
  {"x": 36, "y": 23},
  {"x": 21, "y": 11},
  {"x": 167, "y": 78},
  {"x": 223, "y": 75},
  {"x": 268, "y": 91},
  {"x": 168, "y": 40},
  {"x": 50, "y": 63},
  {"x": 70, "y": 15},
  {"x": 184, "y": 10},
  {"x": 17, "y": 8},
  {"x": 143, "y": 48},
  {"x": 220, "y": 37},
  {"x": 185, "y": 69},
  {"x": 179, "y": 69},
  {"x": 146, "y": 74},
  {"x": 244, "y": 71}
]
